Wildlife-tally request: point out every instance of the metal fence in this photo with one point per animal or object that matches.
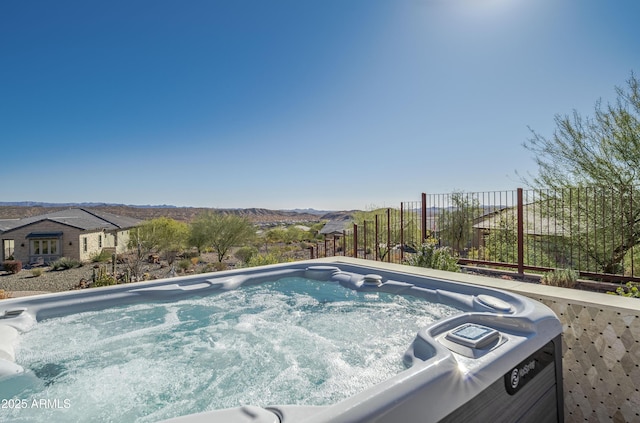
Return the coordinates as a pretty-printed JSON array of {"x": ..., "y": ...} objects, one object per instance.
[{"x": 593, "y": 230}]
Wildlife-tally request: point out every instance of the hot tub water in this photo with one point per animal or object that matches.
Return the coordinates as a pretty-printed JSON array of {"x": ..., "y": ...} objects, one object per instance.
[{"x": 293, "y": 341}]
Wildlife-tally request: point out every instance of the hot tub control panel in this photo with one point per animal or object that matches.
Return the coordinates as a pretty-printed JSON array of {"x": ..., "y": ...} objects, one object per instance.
[
  {"x": 472, "y": 340},
  {"x": 472, "y": 335}
]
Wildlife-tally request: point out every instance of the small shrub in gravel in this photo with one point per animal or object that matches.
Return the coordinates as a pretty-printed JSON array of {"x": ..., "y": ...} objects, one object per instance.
[
  {"x": 36, "y": 272},
  {"x": 65, "y": 263},
  {"x": 12, "y": 266}
]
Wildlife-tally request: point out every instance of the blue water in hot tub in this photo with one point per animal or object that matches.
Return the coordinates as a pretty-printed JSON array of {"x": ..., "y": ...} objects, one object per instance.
[{"x": 293, "y": 341}]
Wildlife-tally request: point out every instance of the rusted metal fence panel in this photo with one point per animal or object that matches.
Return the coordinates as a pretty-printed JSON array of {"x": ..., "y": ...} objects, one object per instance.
[{"x": 593, "y": 230}]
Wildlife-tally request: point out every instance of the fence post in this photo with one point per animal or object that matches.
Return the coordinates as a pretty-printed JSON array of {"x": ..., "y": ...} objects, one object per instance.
[
  {"x": 520, "y": 233},
  {"x": 424, "y": 217},
  {"x": 355, "y": 240},
  {"x": 401, "y": 232}
]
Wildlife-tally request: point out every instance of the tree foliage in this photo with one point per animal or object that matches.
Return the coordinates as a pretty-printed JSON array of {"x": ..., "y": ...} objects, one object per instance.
[
  {"x": 161, "y": 235},
  {"x": 590, "y": 167},
  {"x": 456, "y": 222},
  {"x": 221, "y": 232}
]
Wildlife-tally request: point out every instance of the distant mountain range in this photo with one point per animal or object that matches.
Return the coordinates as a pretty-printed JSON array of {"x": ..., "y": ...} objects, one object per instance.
[
  {"x": 144, "y": 206},
  {"x": 20, "y": 209},
  {"x": 42, "y": 204}
]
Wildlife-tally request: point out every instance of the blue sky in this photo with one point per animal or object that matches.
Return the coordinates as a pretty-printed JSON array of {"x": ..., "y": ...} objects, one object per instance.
[{"x": 330, "y": 104}]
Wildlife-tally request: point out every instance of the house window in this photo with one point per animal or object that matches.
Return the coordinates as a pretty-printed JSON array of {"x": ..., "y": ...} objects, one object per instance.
[
  {"x": 43, "y": 246},
  {"x": 8, "y": 247},
  {"x": 99, "y": 241},
  {"x": 85, "y": 246}
]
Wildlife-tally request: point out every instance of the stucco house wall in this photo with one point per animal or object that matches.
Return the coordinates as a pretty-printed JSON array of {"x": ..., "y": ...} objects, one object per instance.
[
  {"x": 67, "y": 245},
  {"x": 74, "y": 233}
]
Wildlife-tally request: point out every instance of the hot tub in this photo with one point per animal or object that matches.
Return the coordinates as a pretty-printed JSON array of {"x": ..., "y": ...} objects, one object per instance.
[{"x": 301, "y": 342}]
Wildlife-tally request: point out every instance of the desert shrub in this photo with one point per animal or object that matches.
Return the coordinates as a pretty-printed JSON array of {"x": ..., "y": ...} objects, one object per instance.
[
  {"x": 12, "y": 266},
  {"x": 64, "y": 263},
  {"x": 208, "y": 268},
  {"x": 629, "y": 290},
  {"x": 4, "y": 294},
  {"x": 220, "y": 266},
  {"x": 190, "y": 254},
  {"x": 244, "y": 254},
  {"x": 101, "y": 257},
  {"x": 565, "y": 278},
  {"x": 184, "y": 265},
  {"x": 431, "y": 256},
  {"x": 265, "y": 259},
  {"x": 36, "y": 272},
  {"x": 194, "y": 260}
]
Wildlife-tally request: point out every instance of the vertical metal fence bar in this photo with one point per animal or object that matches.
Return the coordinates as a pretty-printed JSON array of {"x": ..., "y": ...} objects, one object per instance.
[
  {"x": 344, "y": 242},
  {"x": 377, "y": 241},
  {"x": 402, "y": 240},
  {"x": 520, "y": 233},
  {"x": 389, "y": 235},
  {"x": 424, "y": 216},
  {"x": 355, "y": 240}
]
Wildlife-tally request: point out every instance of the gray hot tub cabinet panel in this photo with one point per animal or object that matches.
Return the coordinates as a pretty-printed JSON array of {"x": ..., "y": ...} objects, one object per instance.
[{"x": 538, "y": 401}]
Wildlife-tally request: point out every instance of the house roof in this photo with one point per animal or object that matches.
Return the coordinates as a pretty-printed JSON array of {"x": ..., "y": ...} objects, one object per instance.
[
  {"x": 536, "y": 220},
  {"x": 77, "y": 218},
  {"x": 335, "y": 227}
]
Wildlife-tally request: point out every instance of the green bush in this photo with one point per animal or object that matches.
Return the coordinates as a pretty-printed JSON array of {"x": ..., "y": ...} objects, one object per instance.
[
  {"x": 565, "y": 278},
  {"x": 631, "y": 290},
  {"x": 12, "y": 266},
  {"x": 64, "y": 263},
  {"x": 265, "y": 259},
  {"x": 36, "y": 272},
  {"x": 430, "y": 256},
  {"x": 244, "y": 254},
  {"x": 184, "y": 265},
  {"x": 101, "y": 257}
]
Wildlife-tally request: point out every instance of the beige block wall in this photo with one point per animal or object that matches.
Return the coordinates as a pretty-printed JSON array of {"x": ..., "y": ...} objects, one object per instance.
[
  {"x": 93, "y": 245},
  {"x": 97, "y": 241},
  {"x": 601, "y": 356},
  {"x": 123, "y": 240}
]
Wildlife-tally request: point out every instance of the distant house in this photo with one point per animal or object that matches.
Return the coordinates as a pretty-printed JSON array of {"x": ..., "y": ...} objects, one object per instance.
[
  {"x": 537, "y": 222},
  {"x": 75, "y": 233},
  {"x": 335, "y": 228}
]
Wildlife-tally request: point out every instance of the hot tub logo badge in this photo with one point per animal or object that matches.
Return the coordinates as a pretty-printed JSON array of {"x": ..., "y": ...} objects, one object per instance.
[{"x": 520, "y": 372}]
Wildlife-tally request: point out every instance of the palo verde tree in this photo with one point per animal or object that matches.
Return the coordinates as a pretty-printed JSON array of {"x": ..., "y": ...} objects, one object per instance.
[
  {"x": 222, "y": 231},
  {"x": 456, "y": 221},
  {"x": 590, "y": 166},
  {"x": 161, "y": 235}
]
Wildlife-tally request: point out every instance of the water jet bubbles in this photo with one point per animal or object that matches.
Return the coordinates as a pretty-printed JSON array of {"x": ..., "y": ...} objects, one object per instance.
[{"x": 287, "y": 342}]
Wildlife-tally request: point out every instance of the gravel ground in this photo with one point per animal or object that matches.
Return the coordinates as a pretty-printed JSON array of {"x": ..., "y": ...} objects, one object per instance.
[{"x": 25, "y": 283}]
